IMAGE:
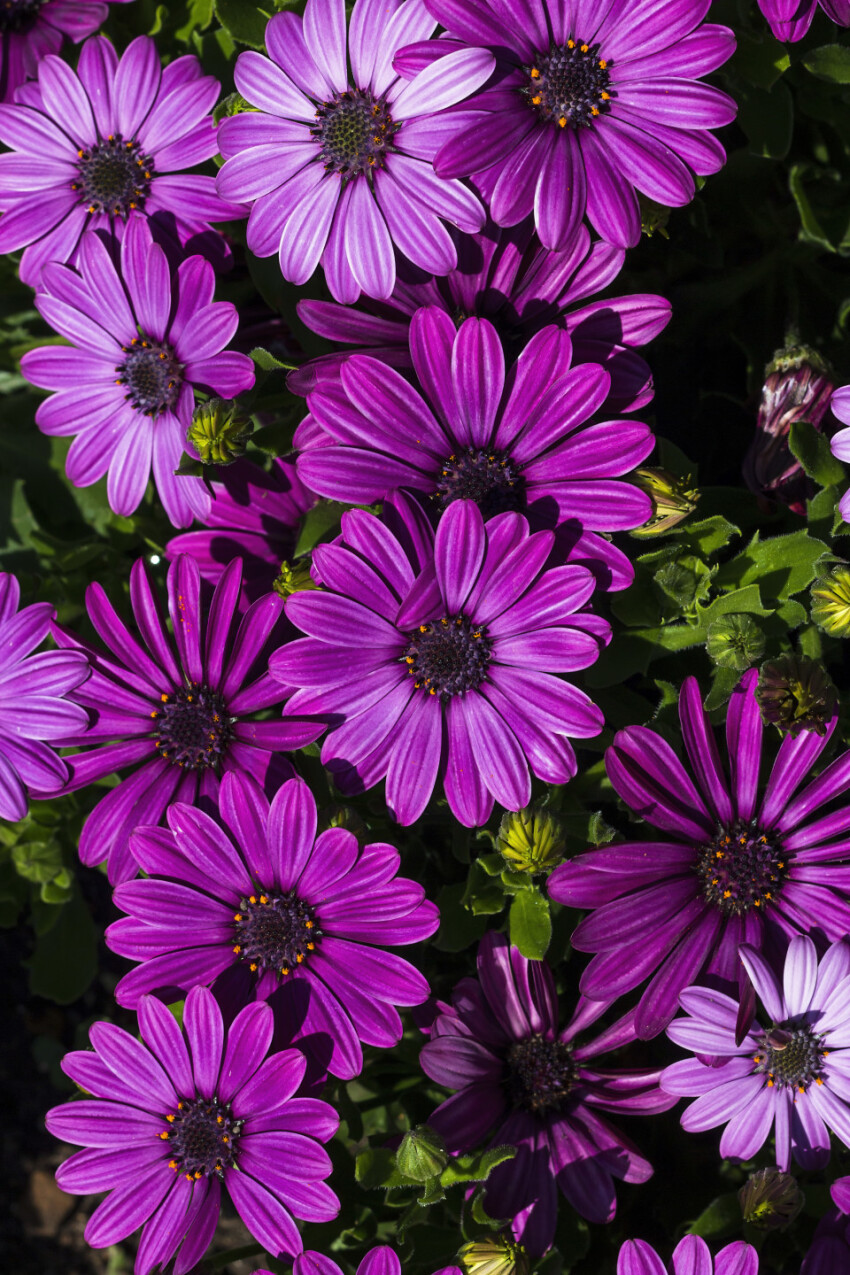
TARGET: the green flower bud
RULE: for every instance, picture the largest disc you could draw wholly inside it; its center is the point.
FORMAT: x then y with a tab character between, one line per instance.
831	601
219	431
672	498
532	840
653	217
770	1199
422	1154
735	641
294	578
796	693
494	1255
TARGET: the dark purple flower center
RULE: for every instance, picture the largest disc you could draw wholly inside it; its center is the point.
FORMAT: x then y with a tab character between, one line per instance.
275	932
18	15
541	1074
201	1137
791	1057
151	374
193	728
570	84
113	176
491	479
448	657
742	868
354	132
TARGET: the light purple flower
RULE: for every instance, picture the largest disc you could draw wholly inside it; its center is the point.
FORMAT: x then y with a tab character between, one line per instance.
34	712
30	29
730	865
140	341
790	19
338	168
830	1250
378	1261
840	441
87	148
523	1081
691	1256
168	1120
432	657
790	1076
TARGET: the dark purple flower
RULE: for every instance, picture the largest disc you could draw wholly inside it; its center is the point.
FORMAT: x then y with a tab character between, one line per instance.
180	709
337	168
691	1256
34	712
790	1078
730	866
519	440
432	657
507	277
168	1120
141	340
251	514
790	19
282	906
597	100
522	1081
30	29
88	148
378	1261
830	1250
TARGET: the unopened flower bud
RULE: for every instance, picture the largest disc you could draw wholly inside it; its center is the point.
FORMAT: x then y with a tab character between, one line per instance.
653	217
795	693
831	601
494	1255
672	498
770	1199
294	577
531	840
219	431
422	1154
735	641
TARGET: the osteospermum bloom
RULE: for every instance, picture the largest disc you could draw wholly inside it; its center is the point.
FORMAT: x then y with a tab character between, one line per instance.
378	1261
790	1074
790	19
521	1080
89	148
526	438
140	341
338	168
169	1120
30	29
691	1256
34	710
830	1250
731	864
840	441
281	905
590	103
433	657
507	277
181	708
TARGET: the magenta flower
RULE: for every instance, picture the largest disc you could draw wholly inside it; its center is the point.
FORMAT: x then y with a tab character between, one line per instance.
840	441
691	1256
830	1250
521	1080
338	168
729	866
30	29
140	341
169	1120
88	148
791	1077
790	19
378	1261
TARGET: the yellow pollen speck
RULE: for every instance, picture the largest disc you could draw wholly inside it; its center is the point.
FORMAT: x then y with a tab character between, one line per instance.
219	1119
756	903
164	1135
253	898
603	62
284	969
237	916
171	1119
605	96
423	628
253	967
584	48
311	947
594	110
727	894
536	100
225	1138
172	1164
770	1082
264	898
535	74
198	1174
571	44
308	925
237	950
189	1177
299	957
563	121
818	1080
801	1089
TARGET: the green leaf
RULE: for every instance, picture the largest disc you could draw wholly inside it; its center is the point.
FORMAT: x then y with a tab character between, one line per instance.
746	601
243	20
458	927
813	452
268	362
483	896
322	519
709	534
720	1219
781	566
374	1168
829	62
475	1167
65	958
810	228
724	682
767	118
530	923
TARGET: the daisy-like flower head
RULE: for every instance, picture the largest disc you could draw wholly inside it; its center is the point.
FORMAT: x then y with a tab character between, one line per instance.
790	19
524	1081
179	708
840	441
518	439
432	657
281	906
830	1250
691	1256
378	1261
169	1120
598	98
30	29
790	1074
507	277
90	147
732	864
141	340
336	163
34	710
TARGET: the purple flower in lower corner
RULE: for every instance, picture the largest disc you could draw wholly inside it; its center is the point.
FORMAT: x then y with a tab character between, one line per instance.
840	441
731	864
30	29
790	19
34	708
691	1256
181	709
830	1249
169	1120
790	1074
378	1261
523	1081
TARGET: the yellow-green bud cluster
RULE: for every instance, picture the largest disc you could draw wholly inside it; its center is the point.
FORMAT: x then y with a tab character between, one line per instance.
219	431
494	1255
531	840
672	498
294	578
770	1199
831	601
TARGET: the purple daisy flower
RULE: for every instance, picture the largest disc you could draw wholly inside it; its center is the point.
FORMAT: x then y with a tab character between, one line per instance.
729	867
169	1120
519	440
691	1256
830	1250
141	341
180	709
34	712
30	29
433	657
790	19
840	442
522	1081
790	1078
378	1261
600	100
507	277
280	905
251	514
337	168
87	148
